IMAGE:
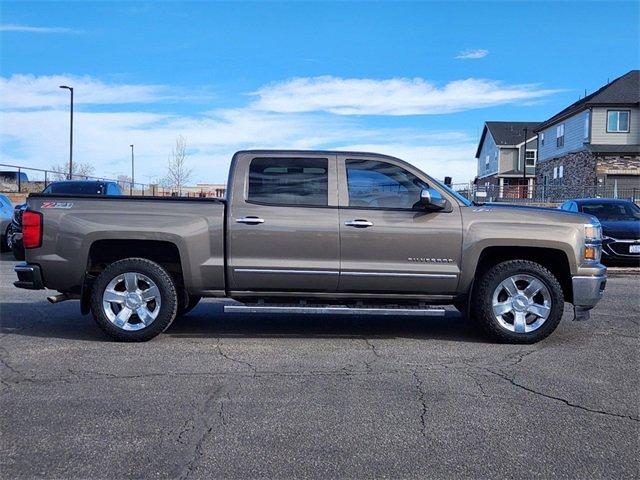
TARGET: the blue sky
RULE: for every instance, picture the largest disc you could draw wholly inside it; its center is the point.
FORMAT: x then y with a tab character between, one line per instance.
412	79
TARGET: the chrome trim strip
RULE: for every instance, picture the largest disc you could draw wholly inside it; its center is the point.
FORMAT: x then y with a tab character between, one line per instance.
622	240
351	274
394	274
302	272
334	310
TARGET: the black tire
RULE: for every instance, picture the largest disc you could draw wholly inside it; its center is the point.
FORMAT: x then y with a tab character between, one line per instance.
482	308
166	288
187	303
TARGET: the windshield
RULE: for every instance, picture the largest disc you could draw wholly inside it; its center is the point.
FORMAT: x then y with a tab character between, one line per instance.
459	197
612	211
82	188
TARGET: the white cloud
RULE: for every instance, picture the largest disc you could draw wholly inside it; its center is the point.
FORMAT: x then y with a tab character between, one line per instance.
396	96
472	54
40	139
28	91
12	27
34	124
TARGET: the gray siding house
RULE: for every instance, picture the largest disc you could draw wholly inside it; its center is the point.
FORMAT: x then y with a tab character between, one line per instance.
501	154
594	144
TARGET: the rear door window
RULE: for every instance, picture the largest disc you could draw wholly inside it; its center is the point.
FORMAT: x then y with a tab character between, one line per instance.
289	181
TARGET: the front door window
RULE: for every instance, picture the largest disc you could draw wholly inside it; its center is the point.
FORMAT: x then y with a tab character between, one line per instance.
374	184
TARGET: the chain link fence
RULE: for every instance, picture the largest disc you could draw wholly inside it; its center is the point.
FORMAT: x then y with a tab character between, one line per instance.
25	180
544	194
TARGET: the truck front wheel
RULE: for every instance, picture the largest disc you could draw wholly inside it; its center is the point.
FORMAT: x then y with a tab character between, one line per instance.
134	299
518	301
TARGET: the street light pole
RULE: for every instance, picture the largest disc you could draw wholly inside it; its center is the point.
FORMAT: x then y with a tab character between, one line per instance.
525	190
70	176
132	171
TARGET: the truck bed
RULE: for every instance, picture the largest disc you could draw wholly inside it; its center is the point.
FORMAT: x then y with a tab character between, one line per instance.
80	227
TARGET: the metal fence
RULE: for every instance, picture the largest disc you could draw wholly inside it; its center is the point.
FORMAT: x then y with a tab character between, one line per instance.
18	179
544	194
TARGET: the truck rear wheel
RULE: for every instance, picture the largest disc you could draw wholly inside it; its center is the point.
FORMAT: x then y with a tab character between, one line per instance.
518	301
134	299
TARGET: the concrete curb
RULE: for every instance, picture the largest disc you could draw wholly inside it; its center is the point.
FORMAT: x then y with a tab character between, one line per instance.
618	271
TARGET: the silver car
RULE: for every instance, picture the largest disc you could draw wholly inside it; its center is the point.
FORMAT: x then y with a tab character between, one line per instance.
6	214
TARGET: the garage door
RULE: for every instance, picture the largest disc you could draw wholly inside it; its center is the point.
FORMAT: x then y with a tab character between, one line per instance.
623	185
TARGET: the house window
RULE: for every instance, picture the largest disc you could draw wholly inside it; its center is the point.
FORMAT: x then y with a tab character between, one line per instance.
561	171
560	135
586	126
542	139
618	121
530	157
555	172
486	161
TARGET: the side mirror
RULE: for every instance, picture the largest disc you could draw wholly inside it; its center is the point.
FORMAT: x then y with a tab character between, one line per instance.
430	199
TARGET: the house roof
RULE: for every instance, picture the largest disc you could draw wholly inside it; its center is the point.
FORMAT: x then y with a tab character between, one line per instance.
506	133
624	90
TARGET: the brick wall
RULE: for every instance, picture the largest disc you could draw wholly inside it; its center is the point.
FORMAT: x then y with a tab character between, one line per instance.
618	165
16	198
579	170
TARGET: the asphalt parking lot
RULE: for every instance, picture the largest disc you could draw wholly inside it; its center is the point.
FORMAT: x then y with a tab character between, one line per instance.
233	396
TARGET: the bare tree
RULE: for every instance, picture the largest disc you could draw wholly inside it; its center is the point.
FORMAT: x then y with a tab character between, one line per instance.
80	170
124	181
178	173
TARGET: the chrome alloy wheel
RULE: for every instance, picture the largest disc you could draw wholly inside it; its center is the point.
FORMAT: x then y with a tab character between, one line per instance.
521	303
131	301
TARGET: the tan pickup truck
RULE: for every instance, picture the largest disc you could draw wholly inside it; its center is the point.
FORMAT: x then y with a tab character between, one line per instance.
314	232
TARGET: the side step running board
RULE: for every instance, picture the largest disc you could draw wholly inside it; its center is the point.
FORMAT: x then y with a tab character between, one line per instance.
335	310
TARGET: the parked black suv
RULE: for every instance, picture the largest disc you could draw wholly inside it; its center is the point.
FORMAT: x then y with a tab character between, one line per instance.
620	221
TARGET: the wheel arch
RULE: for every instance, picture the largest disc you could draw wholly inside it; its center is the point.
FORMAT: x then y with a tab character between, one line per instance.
106	251
555	260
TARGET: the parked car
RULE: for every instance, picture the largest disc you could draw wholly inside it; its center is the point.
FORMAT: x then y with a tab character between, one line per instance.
6	214
10	176
314	232
70	187
620	220
11	180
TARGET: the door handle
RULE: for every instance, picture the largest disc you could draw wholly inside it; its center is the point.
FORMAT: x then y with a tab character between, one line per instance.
250	220
358	223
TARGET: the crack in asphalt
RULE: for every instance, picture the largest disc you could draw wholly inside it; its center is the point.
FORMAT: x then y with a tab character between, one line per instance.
423	403
232	359
372	348
504	376
202	424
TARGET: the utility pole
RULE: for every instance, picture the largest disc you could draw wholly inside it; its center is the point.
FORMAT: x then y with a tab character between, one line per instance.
132	171
70	175
524	165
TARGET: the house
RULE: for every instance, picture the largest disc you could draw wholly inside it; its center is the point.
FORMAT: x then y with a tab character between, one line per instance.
501	153
593	146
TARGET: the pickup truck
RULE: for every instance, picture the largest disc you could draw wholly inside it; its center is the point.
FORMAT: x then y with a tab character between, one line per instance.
314	232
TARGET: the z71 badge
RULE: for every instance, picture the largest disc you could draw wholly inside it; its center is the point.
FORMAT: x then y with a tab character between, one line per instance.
57	204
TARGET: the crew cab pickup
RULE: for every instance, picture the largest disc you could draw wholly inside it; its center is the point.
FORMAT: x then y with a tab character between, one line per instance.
314	232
